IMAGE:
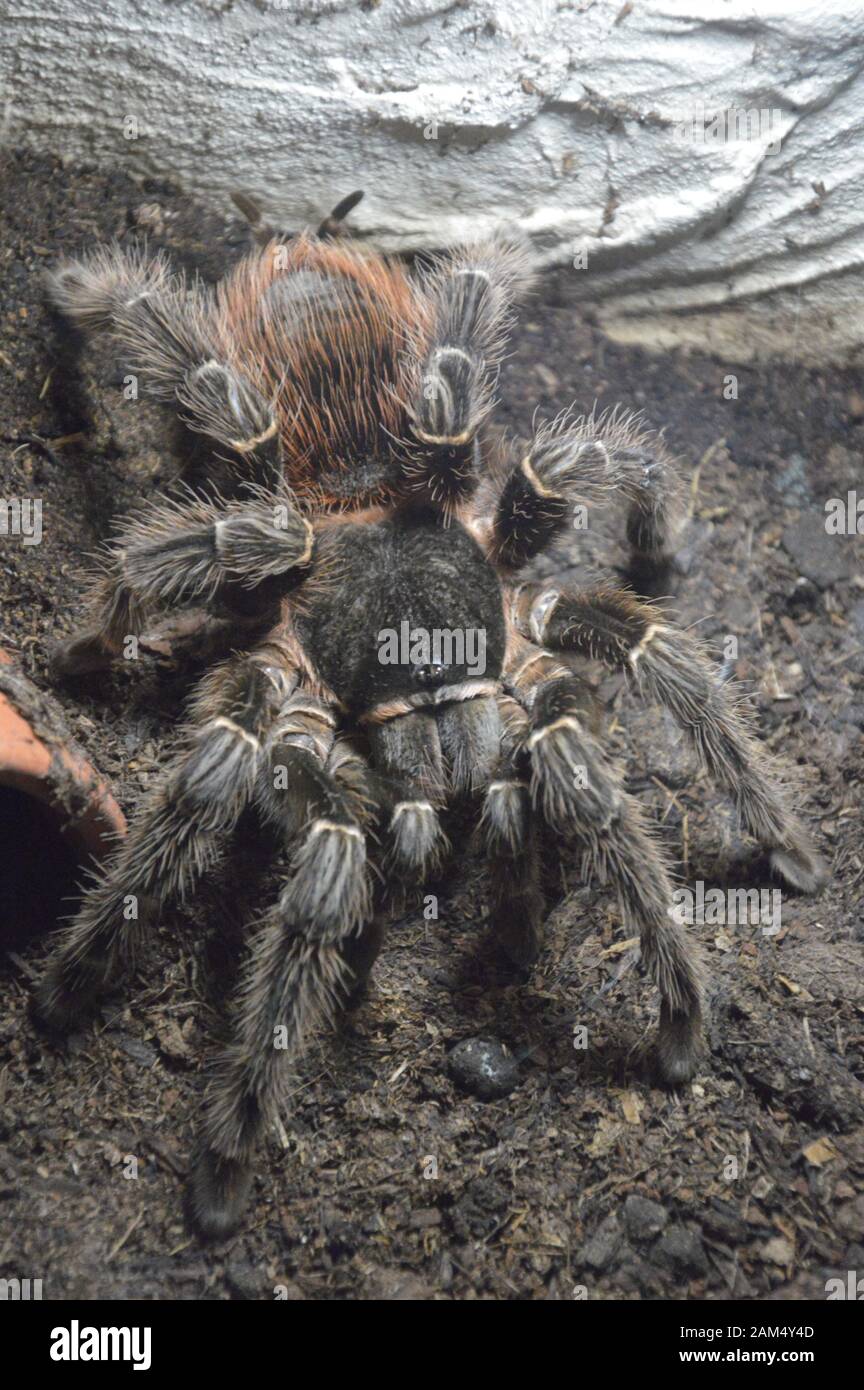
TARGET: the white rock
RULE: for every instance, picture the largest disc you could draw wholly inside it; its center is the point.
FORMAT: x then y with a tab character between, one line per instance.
560	118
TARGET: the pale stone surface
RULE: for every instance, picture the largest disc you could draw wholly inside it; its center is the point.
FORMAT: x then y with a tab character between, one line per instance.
561	117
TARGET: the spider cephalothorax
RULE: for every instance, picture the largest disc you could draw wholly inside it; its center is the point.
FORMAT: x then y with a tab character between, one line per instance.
389	654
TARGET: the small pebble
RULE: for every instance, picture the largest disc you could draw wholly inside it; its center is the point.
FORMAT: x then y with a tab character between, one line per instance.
483	1067
822	558
243	1281
601	1249
643	1218
722	1221
792	483
803	595
681	1252
140	1051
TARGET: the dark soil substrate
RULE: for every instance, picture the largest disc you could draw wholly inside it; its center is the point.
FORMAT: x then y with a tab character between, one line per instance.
747	1184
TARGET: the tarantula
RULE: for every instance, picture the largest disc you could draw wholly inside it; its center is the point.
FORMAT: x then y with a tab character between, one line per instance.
353	401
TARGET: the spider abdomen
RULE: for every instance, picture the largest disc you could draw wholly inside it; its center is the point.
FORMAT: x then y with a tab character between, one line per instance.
320	328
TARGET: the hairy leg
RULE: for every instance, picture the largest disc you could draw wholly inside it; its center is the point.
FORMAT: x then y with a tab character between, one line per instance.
306	957
168	331
672	667
456	344
238	556
589	462
511	840
407	757
581	797
174	840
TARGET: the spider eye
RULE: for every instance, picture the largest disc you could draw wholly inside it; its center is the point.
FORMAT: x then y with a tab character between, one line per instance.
430	674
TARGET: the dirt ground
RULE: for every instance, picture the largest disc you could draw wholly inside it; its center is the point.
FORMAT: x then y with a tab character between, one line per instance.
388	1179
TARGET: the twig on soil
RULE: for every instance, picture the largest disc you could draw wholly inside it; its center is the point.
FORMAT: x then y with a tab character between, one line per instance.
126	1234
808	1038
24	966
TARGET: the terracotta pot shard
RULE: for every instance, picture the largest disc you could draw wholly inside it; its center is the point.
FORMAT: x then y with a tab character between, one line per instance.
39	758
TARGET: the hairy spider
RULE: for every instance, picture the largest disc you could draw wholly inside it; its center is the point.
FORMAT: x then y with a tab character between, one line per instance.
373	507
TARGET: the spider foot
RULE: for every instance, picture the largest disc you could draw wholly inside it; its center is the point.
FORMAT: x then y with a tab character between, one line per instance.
679	1045
518	931
652	576
80	656
217	1194
58	1008
800	866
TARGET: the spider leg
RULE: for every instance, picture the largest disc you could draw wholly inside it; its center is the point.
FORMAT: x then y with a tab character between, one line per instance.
511	840
305	958
175	839
584	463
240	556
672	667
463	311
652	487
424	759
168	331
406	754
580	795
